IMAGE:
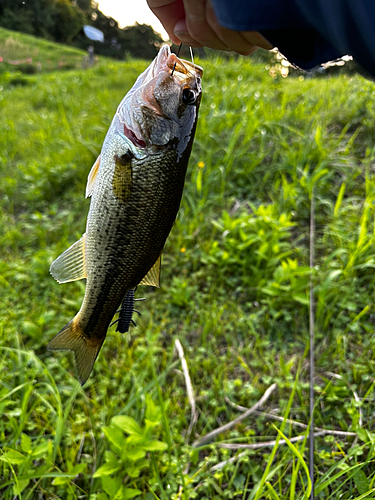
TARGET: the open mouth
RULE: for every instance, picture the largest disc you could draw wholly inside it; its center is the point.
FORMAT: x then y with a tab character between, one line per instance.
166	59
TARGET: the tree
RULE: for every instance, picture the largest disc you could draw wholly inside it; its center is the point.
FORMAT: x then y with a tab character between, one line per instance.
63	21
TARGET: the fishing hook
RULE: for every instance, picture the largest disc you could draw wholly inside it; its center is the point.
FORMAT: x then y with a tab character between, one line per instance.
178	53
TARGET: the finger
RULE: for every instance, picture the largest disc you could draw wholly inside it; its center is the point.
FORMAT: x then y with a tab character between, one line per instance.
257	39
169	12
198	27
181	31
232	39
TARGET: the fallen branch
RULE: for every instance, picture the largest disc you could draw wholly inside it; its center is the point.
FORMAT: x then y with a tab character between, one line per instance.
292	422
253	446
229	425
220	465
189	387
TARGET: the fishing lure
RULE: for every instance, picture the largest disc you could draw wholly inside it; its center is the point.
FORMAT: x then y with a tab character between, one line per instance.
126	312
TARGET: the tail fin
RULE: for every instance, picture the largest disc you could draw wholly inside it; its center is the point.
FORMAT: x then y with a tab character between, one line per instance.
73	338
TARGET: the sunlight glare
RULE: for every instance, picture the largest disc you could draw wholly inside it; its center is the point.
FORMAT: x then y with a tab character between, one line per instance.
128	12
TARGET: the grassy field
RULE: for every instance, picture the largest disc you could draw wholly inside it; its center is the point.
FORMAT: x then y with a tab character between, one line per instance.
235	294
27	54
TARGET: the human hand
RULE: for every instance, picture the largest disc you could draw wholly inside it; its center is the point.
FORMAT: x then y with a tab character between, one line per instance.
193	22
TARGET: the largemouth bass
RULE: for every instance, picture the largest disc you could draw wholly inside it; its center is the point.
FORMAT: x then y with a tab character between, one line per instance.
136	187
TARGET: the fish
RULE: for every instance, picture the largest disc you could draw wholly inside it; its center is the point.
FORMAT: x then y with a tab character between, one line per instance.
135	186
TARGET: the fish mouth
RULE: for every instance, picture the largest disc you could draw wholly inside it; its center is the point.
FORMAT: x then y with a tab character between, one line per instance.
184	72
166	61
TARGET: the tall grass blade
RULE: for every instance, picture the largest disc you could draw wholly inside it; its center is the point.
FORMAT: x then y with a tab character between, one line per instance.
257	492
339	199
272	491
301	460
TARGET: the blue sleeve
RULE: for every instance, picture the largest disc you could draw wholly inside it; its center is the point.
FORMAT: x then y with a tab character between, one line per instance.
308	32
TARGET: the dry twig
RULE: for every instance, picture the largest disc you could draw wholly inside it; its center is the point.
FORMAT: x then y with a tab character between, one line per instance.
292	422
312	342
253	446
229	425
189	387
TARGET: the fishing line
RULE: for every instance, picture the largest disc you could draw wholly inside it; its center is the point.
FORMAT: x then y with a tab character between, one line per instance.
191	54
178	53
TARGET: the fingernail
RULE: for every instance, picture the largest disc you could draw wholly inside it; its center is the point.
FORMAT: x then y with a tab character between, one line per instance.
180	30
184	37
181	35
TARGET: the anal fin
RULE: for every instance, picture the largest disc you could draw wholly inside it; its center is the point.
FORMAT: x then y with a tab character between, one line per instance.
152	278
70	265
72	338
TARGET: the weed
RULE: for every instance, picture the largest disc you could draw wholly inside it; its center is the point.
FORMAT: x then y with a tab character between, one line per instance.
235	291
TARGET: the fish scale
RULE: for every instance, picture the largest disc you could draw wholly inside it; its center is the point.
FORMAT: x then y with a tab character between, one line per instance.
136	186
153	211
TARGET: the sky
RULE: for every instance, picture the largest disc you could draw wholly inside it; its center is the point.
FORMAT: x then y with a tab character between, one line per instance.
127	12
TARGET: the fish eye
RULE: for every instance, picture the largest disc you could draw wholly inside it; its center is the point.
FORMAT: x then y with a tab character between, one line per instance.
188	96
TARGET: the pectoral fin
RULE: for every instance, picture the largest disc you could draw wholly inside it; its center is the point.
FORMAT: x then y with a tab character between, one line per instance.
152	278
92	177
70	266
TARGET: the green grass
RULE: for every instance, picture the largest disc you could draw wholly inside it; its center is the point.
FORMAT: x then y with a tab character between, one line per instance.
28	54
235	291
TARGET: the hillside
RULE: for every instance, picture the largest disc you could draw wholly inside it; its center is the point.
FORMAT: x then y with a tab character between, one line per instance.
28	54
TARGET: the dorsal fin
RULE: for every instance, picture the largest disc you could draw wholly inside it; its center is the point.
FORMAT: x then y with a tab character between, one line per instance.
92	177
70	266
152	278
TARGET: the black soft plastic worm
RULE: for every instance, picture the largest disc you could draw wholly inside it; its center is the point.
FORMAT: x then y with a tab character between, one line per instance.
126	312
